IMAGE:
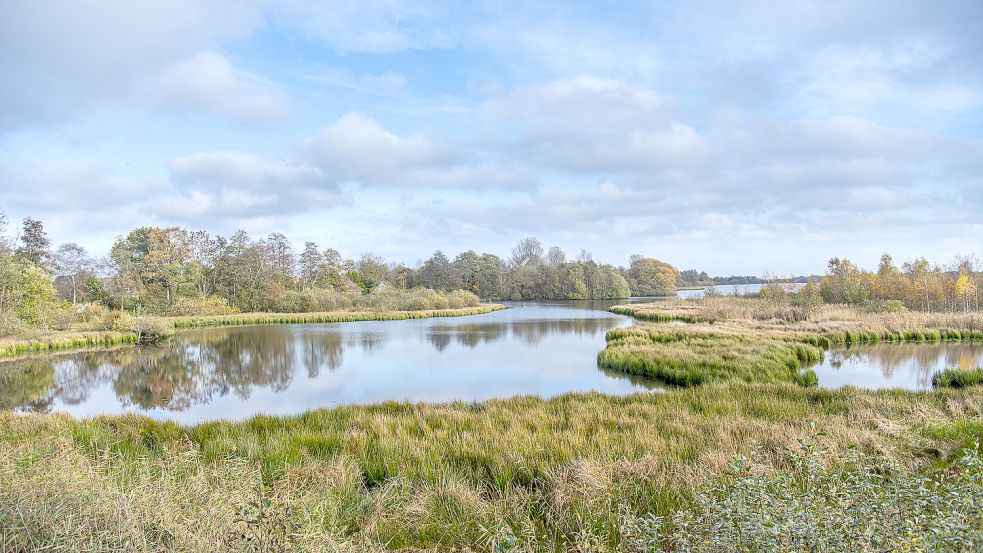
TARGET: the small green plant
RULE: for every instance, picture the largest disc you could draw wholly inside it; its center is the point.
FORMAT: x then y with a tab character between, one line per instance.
267	525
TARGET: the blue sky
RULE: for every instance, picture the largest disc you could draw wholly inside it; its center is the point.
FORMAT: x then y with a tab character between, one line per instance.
735	137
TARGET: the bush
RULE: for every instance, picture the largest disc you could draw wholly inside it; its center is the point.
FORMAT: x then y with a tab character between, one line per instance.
858	504
958	378
151	329
121	322
11	325
330	300
194	305
293	301
462	298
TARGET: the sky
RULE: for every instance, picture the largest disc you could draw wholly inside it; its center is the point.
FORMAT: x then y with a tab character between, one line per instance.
732	137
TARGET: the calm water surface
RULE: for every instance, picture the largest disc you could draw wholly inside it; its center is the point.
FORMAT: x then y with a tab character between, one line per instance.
531	348
906	365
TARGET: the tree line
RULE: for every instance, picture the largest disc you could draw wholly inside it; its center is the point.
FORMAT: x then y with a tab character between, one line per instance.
917	284
174	270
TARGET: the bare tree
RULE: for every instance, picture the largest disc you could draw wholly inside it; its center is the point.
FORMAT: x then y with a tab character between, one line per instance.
73	262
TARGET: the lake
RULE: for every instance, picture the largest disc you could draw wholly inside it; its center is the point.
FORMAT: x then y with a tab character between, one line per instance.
531	348
542	348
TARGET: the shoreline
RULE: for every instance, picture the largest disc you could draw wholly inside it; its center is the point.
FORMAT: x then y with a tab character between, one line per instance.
11	348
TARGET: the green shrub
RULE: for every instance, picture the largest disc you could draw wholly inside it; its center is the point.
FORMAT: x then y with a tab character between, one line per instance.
958	378
858	504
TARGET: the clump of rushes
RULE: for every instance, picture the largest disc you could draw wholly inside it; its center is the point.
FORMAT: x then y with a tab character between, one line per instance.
958	378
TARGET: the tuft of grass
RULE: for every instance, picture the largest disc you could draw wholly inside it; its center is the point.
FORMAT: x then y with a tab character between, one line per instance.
958	378
520	474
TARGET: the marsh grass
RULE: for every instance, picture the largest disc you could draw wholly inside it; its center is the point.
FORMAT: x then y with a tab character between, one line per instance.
754	340
10	347
506	475
688	358
240	319
958	378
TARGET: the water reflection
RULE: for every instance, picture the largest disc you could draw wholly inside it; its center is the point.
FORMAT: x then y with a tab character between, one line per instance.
543	349
907	365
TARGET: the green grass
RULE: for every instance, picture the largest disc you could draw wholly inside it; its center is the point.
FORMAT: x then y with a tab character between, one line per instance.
518	474
753	340
70	340
958	378
239	319
686	358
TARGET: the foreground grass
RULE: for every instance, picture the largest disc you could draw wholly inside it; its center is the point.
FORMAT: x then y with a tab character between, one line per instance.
161	327
516	474
752	340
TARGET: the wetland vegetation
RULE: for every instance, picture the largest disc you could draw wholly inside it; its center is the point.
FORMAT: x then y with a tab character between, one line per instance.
742	423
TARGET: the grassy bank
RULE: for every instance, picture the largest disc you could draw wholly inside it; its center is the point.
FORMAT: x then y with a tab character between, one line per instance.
503	475
239	319
155	328
15	345
754	340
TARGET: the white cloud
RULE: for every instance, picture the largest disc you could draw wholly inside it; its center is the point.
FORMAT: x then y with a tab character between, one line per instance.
61	58
207	82
229	184
358	148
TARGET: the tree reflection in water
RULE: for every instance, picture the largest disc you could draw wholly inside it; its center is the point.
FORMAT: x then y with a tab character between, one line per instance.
894	361
201	366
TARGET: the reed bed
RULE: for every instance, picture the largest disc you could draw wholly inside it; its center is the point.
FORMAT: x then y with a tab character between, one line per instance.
10	347
958	378
522	474
240	319
753	340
